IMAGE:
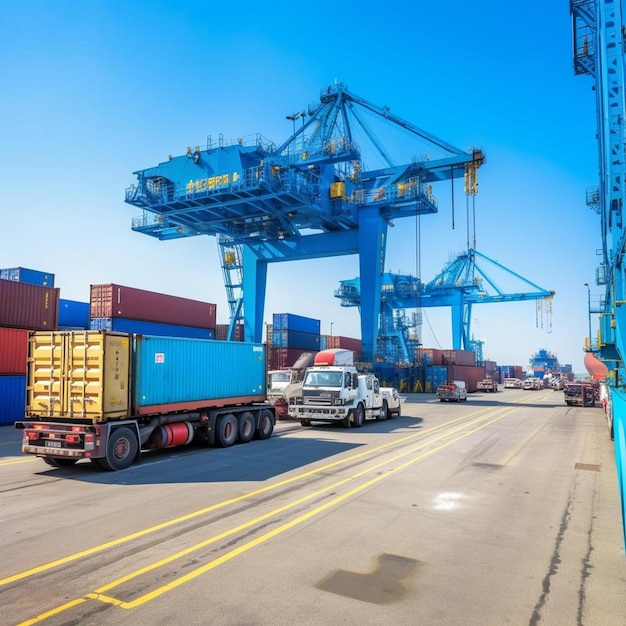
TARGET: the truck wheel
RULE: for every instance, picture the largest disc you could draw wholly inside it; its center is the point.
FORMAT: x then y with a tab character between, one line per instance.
305	422
246	427
358	416
266	424
227	428
122	449
384	414
345	422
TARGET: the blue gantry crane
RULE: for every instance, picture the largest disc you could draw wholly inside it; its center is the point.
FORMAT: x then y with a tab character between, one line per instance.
471	278
332	188
599	30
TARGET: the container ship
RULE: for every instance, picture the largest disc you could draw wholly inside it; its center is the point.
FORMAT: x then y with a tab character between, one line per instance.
544	362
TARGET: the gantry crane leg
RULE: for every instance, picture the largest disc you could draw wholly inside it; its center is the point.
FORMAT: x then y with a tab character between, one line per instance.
254	286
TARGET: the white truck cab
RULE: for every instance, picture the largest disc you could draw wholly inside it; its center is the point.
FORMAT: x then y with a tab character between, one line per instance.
334	391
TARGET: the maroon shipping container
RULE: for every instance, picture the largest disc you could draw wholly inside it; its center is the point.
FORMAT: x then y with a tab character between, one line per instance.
458	357
471	374
221	330
118	301
23	305
280	358
349	343
13	351
429	356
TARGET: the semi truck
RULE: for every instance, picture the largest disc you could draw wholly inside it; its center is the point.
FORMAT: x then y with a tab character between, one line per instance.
109	396
333	391
285	385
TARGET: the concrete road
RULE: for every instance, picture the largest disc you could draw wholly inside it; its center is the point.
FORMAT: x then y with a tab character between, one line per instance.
501	510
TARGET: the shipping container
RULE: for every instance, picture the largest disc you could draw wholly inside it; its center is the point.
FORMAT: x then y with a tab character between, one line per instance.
13	351
221	332
123	325
295	339
167	374
289	321
429	356
434	375
23	305
12	398
24	275
112	300
348	343
471	374
73	314
280	358
458	357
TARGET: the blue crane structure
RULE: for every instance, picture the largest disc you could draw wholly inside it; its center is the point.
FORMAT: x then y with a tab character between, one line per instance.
315	195
599	31
471	278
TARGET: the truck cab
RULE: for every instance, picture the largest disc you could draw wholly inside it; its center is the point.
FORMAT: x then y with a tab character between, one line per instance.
334	391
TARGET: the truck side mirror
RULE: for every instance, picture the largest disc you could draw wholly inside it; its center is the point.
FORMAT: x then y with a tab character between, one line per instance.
355	381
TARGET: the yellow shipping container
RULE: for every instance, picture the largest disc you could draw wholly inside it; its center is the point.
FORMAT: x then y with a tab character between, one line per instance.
79	375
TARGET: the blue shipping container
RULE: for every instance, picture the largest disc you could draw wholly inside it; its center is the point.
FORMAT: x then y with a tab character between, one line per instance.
24	275
434	375
12	398
73	314
289	321
295	339
175	370
123	325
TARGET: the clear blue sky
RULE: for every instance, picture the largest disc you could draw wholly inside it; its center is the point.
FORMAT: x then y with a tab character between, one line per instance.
94	90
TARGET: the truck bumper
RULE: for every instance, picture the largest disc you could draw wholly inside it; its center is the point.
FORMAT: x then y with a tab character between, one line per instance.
321	414
51	439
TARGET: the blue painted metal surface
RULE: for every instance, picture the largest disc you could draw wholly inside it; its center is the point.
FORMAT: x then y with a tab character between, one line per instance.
166	370
73	314
310	197
12	398
295	339
289	321
25	275
469	279
141	327
598	47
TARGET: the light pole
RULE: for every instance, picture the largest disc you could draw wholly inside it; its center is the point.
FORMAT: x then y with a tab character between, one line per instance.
293	118
589	312
331	328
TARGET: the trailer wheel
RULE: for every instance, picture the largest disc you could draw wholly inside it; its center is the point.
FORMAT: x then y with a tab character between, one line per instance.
59	462
384	414
305	422
359	416
227	427
122	448
246	427
266	424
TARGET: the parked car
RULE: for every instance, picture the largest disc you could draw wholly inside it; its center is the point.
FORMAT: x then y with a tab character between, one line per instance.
512	383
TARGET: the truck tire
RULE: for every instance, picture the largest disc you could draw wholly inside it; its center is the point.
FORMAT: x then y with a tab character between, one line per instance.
246	427
305	422
227	430
266	424
122	448
358	416
381	417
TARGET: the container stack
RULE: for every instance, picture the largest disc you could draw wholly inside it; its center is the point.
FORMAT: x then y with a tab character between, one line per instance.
510	371
289	336
73	315
28	301
126	309
337	341
221	332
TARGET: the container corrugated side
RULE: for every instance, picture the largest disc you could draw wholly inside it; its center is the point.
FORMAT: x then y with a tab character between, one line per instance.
173	373
289	321
73	313
13	351
25	275
112	300
471	374
295	339
12	398
23	305
280	358
142	327
79	375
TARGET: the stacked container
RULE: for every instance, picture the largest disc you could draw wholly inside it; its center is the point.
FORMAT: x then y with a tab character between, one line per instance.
289	336
337	341
73	315
23	305
126	309
221	332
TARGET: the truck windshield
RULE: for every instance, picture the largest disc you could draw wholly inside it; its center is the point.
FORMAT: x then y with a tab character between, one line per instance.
323	379
280	377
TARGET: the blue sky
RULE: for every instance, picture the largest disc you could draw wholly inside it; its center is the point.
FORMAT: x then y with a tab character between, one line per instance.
95	90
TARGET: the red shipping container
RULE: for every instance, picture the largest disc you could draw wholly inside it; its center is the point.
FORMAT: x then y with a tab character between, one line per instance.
13	351
430	356
471	374
23	305
283	357
221	330
458	357
118	301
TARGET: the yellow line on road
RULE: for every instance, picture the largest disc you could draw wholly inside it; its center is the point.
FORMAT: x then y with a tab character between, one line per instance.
189	516
99	593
